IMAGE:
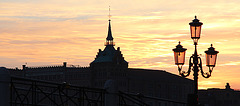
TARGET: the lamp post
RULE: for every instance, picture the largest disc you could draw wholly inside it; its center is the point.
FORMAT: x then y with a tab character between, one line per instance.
195	62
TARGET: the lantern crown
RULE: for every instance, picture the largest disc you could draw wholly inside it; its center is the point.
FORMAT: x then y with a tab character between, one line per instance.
211	50
195	22
179	48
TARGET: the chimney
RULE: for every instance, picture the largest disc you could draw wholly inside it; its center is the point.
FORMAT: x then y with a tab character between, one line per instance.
23	67
64	64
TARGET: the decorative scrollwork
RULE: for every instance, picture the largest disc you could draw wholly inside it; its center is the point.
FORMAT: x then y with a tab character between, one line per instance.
184	73
207	74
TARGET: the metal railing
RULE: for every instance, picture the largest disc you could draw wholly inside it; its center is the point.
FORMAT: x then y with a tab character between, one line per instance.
29	92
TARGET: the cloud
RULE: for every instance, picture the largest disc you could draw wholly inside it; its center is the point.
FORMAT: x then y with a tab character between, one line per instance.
43	32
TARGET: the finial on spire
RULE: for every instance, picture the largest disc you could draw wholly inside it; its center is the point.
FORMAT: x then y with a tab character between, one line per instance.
109	15
195	17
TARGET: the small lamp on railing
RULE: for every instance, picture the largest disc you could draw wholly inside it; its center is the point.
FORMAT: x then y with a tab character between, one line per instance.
195	27
211	56
179	54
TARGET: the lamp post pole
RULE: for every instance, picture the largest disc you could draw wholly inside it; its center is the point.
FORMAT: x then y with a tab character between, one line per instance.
195	62
195	70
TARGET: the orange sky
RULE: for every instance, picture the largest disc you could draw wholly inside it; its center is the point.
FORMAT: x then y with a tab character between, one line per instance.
49	32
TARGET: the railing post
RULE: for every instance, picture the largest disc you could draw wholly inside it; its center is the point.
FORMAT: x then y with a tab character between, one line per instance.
4	87
111	93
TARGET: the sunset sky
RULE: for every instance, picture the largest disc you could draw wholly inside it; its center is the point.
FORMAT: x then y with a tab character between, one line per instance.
49	32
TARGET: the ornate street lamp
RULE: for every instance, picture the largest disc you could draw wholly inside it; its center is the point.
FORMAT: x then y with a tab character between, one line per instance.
195	62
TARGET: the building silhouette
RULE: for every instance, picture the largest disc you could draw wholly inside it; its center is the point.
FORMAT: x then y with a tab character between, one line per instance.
110	64
220	97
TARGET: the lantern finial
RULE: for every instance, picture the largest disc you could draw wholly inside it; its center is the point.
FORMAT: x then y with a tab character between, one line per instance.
195	17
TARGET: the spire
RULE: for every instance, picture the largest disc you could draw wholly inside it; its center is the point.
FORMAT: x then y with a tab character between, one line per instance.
109	37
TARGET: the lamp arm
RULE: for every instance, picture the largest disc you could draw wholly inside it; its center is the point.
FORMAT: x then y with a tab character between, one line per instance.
207	74
184	73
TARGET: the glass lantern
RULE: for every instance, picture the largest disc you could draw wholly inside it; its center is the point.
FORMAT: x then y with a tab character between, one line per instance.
211	56
195	28
179	54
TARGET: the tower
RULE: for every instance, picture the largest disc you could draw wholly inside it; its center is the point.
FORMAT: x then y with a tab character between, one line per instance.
109	57
109	63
